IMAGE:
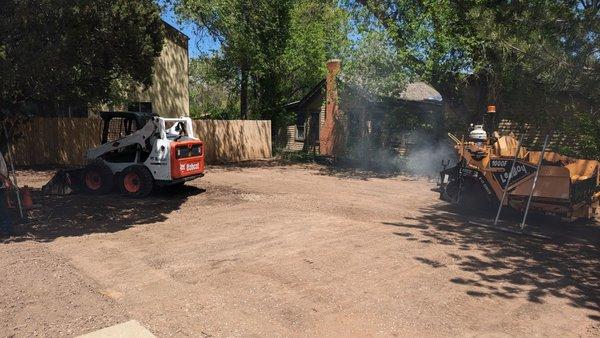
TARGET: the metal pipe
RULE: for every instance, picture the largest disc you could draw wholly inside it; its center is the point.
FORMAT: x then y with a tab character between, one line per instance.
12	166
454	138
460	178
510	175
537	173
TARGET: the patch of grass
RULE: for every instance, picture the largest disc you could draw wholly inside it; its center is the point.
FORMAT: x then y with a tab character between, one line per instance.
302	157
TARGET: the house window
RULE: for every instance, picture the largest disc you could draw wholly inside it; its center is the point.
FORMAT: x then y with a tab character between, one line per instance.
300	132
143	107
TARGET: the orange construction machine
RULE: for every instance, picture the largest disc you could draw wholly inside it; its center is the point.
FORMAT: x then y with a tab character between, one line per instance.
498	172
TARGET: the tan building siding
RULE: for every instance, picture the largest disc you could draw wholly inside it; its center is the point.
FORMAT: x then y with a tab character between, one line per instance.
292	144
169	93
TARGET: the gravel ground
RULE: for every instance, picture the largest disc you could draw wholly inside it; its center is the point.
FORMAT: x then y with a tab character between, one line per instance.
291	251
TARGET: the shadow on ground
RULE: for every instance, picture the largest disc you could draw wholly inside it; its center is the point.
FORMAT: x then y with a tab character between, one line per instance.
510	266
80	214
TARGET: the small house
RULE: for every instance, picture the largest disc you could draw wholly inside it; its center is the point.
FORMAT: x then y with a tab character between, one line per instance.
336	118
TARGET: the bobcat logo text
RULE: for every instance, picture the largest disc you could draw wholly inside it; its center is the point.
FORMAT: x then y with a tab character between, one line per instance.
189	167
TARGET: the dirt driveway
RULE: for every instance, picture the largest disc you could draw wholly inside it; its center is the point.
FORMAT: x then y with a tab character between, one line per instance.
291	251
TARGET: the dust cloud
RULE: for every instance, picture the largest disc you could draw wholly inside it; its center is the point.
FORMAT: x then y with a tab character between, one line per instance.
426	155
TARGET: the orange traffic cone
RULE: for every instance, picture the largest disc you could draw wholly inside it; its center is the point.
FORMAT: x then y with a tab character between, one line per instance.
26	197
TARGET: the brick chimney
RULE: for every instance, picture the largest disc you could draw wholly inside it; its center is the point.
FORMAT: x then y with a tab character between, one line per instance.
327	130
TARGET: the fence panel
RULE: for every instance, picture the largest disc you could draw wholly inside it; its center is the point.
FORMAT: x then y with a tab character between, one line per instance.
64	141
56	141
235	140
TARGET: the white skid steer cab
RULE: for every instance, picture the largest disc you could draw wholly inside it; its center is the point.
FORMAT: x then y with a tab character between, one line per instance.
139	151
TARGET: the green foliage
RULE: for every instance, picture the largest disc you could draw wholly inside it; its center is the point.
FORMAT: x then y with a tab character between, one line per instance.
62	52
280	47
373	66
583	132
318	32
505	45
431	38
531	58
297	157
210	96
252	36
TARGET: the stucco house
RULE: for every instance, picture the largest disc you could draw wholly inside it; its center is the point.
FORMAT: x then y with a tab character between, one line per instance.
168	96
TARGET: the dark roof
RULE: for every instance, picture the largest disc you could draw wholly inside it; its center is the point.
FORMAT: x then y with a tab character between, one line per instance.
413	92
176	35
316	90
420	92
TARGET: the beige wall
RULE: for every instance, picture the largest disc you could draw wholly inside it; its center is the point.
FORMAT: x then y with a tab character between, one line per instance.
64	141
169	93
292	143
290	137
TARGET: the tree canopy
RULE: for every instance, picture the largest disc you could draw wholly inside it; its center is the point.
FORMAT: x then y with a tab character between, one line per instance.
252	36
63	52
372	64
271	51
514	51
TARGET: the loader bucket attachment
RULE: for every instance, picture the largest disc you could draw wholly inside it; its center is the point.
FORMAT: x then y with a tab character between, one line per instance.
64	182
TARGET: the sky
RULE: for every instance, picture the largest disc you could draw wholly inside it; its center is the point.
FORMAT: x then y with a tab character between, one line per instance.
199	43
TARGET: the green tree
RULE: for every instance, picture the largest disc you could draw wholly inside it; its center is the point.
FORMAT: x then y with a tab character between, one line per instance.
211	95
518	53
62	52
271	52
373	65
252	35
319	31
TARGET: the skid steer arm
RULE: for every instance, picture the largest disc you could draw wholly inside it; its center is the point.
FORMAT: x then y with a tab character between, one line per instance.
139	137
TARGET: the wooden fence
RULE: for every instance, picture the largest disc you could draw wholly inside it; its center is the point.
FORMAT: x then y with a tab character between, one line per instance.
235	140
64	141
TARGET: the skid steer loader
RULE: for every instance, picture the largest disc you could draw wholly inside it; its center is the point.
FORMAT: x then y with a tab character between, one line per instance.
497	170
138	152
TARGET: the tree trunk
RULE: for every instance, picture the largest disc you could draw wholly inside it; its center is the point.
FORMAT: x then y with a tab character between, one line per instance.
244	94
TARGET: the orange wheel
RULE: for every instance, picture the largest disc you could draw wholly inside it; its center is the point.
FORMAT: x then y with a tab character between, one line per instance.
97	179
136	181
132	182
93	180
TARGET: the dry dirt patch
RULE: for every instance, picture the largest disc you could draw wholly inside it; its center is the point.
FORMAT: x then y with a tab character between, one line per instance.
294	250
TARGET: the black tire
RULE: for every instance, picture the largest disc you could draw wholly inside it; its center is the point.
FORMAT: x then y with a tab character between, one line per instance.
136	181
97	179
474	197
469	194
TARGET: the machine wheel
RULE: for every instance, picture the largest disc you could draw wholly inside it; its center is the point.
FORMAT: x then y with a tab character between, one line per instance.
472	195
136	181
97	179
